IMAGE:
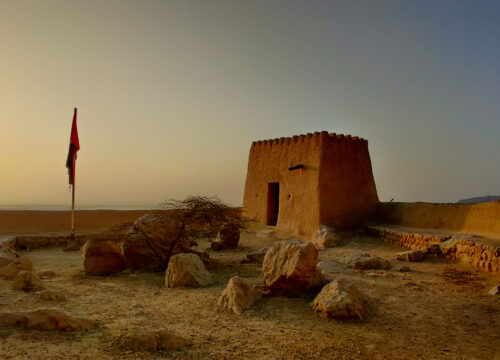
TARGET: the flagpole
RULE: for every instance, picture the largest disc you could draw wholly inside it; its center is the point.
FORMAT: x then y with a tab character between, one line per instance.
73	211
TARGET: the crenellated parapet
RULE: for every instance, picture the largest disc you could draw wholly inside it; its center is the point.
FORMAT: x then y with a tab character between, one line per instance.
313	138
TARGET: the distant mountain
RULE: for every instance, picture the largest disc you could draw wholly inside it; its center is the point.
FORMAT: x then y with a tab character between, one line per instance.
479	199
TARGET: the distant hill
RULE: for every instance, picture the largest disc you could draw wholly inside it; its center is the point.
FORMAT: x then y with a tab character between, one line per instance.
479	199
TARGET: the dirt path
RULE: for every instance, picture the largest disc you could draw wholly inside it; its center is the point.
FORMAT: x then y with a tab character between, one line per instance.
439	310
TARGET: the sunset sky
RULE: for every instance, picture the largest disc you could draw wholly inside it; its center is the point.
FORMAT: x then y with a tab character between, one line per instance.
171	94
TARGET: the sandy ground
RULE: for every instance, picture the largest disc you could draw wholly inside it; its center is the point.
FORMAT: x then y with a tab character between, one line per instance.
439	310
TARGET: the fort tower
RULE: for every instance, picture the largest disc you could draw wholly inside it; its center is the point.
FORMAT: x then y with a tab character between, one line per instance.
302	182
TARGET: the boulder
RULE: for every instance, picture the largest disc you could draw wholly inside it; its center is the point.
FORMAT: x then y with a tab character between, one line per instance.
448	248
289	268
27	281
410	256
186	269
366	262
495	290
150	340
238	295
152	240
49	319
255	256
102	257
227	238
330	269
11	270
53	295
326	237
338	299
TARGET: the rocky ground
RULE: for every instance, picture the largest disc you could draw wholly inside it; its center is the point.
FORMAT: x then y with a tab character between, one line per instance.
438	310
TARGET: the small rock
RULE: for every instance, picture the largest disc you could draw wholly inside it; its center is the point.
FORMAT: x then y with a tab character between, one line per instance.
186	269
367	262
410	256
326	237
102	258
72	245
46	319
47	274
403	268
495	290
238	295
11	270
227	238
53	295
7	255
255	256
289	268
27	281
210	263
338	299
151	340
330	269
433	249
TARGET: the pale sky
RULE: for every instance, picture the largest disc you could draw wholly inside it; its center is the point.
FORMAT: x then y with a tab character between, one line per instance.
171	94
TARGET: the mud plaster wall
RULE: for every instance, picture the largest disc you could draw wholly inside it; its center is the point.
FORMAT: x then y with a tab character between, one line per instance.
483	219
298	201
33	222
347	189
335	187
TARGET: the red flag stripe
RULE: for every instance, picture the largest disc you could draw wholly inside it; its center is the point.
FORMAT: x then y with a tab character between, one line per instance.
74	146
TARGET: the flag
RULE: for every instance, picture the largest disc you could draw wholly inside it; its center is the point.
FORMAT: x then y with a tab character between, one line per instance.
74	146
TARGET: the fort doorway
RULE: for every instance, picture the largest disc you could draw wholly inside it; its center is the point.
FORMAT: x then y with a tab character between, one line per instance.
273	203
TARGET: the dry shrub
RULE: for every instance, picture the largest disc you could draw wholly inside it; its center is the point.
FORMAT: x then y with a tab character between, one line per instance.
194	217
202	216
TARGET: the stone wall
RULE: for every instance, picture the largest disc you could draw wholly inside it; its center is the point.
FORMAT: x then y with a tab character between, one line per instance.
37	222
471	250
29	242
408	239
481	219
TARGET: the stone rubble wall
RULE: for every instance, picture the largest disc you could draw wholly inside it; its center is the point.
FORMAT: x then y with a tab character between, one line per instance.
468	249
470	252
411	240
25	242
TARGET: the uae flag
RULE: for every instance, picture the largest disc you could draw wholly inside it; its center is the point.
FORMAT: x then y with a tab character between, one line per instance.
74	146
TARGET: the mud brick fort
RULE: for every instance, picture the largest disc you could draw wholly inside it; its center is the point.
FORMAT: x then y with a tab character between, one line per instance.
301	182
